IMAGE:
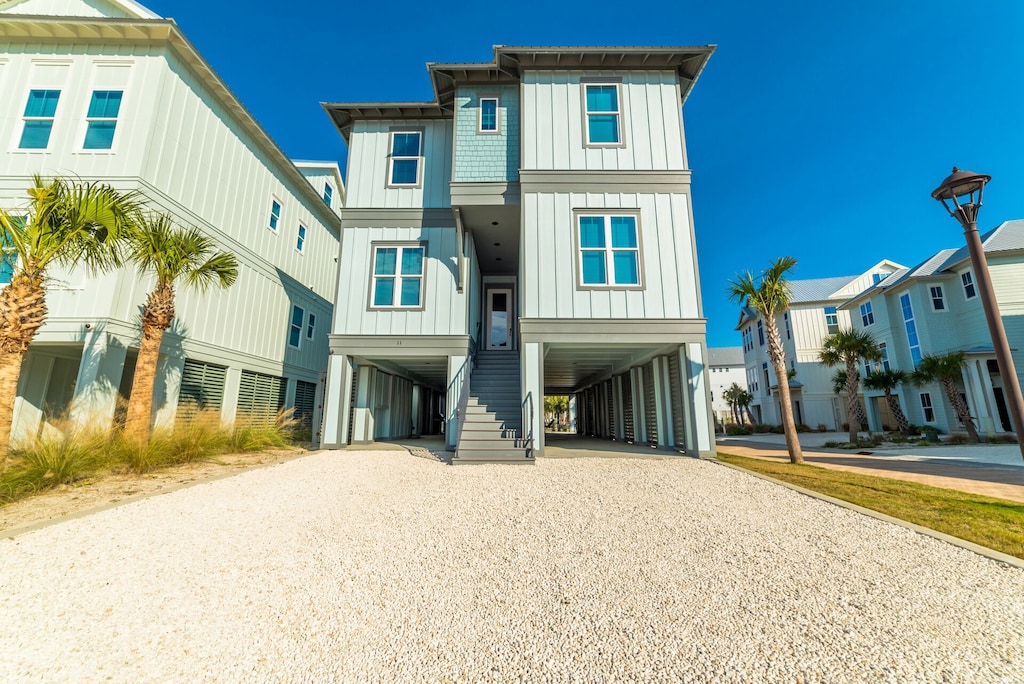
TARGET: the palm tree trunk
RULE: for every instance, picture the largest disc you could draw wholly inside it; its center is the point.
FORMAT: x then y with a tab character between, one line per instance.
852	417
10	371
961	410
894	408
140	403
778	357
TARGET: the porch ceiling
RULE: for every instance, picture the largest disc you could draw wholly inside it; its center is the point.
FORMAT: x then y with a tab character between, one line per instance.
501	258
570	367
428	370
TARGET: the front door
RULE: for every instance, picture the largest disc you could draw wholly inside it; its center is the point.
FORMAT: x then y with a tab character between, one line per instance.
499	319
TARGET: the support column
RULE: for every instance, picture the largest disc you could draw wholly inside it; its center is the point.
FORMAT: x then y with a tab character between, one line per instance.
990	393
532	383
229	407
417	429
977	398
700	397
33	385
337	400
99	376
458	375
661	405
167	389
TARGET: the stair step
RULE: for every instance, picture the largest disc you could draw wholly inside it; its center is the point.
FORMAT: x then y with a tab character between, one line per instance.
502	456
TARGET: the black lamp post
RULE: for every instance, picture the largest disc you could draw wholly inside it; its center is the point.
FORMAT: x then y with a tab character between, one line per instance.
961	194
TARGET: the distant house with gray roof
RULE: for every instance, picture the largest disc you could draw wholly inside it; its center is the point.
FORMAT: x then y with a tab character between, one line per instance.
725	365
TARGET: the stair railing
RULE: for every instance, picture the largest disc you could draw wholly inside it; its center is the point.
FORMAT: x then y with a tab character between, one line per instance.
528	422
463	376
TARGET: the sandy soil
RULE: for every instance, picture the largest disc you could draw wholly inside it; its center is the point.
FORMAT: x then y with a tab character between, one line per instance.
105	490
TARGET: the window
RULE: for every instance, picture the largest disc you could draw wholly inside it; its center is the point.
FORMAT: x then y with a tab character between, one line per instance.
908	321
748	339
398	276
602	114
102	119
8	259
39	113
938	301
609	250
310	326
328	194
295	329
831	319
404	168
968	281
760	334
488	114
884	351
300	240
867	317
926	406
785	318
275	215
767	381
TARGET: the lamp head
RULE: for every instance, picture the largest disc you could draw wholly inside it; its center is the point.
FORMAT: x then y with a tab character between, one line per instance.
961	194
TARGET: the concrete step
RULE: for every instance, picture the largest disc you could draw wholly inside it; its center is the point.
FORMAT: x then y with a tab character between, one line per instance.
495	456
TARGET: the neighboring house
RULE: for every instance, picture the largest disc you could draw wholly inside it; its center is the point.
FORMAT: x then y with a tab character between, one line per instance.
726	367
106	90
935	308
527	232
815	312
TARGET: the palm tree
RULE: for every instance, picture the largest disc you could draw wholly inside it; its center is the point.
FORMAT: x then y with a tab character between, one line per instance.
839	387
887	381
946	370
172	254
769	295
744	399
64	224
848	347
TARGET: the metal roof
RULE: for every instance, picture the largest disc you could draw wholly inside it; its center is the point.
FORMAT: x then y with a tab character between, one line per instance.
818	289
725	356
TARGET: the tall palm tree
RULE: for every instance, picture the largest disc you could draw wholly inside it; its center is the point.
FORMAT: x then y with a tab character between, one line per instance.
64	224
887	381
769	295
839	387
173	255
745	399
732	396
946	369
848	347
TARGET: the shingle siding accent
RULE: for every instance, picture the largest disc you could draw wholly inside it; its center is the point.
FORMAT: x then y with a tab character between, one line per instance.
486	157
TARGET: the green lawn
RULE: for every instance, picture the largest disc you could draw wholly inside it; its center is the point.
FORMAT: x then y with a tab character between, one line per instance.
995	523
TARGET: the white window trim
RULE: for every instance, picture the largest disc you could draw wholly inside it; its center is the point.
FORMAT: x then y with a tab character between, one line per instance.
480	114
942	298
924	409
392	158
328	194
397	293
974	285
19	131
912	319
609	250
300	238
280	216
291	326
310	325
870	312
620	114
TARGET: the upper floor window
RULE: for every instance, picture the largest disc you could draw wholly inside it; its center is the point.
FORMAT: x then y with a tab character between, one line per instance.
275	215
295	329
785	318
867	316
398	276
883	349
8	256
908	321
831	319
406	150
488	114
300	239
328	194
760	334
310	326
101	119
609	253
39	113
748	339
938	300
602	113
968	280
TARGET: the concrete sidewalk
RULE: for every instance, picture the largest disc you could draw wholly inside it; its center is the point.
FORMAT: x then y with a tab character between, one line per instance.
988	469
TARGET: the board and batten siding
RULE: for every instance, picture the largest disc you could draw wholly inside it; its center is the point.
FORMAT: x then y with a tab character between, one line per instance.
368	164
445	309
550	260
553	133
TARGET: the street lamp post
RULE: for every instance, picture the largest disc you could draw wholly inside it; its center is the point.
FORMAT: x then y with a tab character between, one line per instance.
961	195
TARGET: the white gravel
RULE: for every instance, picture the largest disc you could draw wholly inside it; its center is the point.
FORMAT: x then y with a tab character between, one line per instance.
379	566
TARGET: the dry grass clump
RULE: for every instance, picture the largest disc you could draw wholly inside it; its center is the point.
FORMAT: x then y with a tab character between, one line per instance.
71	452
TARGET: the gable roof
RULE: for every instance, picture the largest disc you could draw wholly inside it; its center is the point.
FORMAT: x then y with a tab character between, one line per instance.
818	289
111	9
725	356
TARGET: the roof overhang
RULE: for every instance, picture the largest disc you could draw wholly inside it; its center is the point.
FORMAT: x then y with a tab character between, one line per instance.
344	115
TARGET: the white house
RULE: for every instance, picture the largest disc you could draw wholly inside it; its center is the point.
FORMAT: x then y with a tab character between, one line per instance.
106	90
529	231
725	365
934	308
815	312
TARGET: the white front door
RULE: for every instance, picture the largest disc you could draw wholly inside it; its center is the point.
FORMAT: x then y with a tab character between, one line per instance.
499	319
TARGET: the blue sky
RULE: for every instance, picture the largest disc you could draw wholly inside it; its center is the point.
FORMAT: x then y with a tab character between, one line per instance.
817	130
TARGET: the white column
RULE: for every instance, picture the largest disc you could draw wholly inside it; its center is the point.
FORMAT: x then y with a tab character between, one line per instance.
533	392
167	389
661	403
976	398
703	425
99	377
417	429
337	397
989	391
229	407
33	385
458	375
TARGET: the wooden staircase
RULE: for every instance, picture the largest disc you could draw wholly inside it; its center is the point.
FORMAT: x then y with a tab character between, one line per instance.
492	428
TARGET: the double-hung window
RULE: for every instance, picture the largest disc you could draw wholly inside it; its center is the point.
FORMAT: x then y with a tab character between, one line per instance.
101	119
300	240
310	326
831	319
967	278
867	316
488	114
8	255
603	114
883	350
938	299
295	328
39	113
406	150
908	321
760	334
927	408
398	276
609	251
328	194
275	215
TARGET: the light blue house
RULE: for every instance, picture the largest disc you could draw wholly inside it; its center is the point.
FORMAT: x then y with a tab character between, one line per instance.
528	232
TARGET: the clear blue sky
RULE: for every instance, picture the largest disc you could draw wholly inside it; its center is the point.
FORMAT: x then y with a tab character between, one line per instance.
817	130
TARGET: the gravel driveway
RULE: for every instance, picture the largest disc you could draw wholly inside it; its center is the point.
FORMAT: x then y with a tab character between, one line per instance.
380	566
